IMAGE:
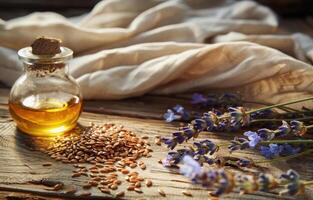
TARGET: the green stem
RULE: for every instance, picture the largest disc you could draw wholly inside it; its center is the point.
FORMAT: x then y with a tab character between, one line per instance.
279	105
286	157
287	141
307	182
310	126
284	108
279	120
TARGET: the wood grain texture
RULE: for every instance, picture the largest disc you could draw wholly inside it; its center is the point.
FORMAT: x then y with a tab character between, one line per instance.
20	162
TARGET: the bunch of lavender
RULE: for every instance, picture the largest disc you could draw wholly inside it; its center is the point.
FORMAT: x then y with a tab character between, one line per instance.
232	120
262	140
225	181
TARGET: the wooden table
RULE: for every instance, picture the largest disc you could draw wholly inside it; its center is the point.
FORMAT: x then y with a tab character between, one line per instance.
19	163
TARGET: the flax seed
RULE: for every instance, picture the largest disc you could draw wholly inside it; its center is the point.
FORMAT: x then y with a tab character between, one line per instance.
143	166
131	188
46	164
138	190
76	175
93	183
105	190
120	194
133	165
161	192
58	187
137	184
125	171
113	187
186	193
148	183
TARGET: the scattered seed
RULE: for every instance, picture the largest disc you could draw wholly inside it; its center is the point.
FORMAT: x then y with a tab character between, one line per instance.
125	171
120	194
138	190
133	165
138	185
157	141
143	166
105	190
186	193
113	186
161	192
46	164
58	187
76	175
131	187
148	183
93	183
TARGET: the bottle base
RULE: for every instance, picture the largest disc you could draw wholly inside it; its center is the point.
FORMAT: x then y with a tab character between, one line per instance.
47	131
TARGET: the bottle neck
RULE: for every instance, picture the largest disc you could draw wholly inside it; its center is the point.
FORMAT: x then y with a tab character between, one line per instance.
49	69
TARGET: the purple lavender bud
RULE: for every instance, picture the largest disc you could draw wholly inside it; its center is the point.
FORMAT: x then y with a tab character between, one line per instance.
288	150
253	137
298	128
244	162
283	129
191	168
170	143
266	134
264	182
198	99
294	185
238	144
271	151
179	137
170	116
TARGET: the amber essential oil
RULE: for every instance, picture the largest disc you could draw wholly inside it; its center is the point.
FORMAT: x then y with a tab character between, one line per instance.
46	114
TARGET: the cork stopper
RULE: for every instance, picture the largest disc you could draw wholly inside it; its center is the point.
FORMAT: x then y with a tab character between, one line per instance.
46	46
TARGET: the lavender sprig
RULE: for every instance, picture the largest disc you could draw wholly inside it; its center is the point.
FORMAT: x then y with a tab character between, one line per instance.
200	153
226	182
177	113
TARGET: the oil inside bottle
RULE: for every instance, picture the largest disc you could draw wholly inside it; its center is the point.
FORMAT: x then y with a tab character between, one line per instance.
46	114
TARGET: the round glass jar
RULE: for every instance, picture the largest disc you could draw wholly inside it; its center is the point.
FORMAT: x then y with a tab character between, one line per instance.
45	100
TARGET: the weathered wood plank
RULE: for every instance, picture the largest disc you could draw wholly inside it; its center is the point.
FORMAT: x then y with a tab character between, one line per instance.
20	163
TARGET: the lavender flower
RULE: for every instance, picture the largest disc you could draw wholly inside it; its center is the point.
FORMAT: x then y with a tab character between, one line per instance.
244	162
294	186
266	182
212	100
173	158
239	115
253	137
298	128
176	113
271	151
283	129
238	144
191	168
198	99
274	150
266	134
170	116
205	147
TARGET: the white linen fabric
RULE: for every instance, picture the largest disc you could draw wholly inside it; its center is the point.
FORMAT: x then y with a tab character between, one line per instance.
126	48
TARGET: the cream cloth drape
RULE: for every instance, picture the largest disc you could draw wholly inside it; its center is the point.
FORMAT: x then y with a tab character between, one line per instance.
126	48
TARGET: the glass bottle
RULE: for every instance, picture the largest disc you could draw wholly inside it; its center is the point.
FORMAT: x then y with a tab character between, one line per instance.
45	100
